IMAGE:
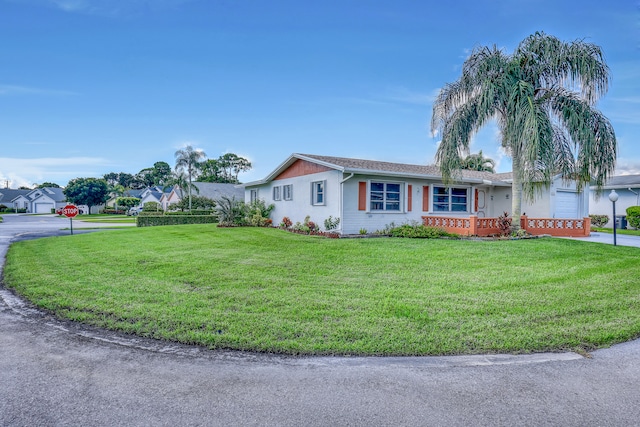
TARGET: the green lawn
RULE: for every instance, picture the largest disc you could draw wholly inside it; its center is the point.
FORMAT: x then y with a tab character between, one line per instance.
620	231
271	291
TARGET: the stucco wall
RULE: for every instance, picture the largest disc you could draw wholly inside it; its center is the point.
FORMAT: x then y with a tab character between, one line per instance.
603	206
300	205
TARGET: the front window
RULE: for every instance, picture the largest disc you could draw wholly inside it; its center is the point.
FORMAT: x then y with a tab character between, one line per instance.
276	193
287	192
450	199
317	198
253	196
385	196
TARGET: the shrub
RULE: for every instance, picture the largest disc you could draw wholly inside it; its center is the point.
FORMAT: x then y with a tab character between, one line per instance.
231	212
151	207
331	223
286	222
258	214
504	224
127	202
599	220
3	208
416	230
156	220
633	216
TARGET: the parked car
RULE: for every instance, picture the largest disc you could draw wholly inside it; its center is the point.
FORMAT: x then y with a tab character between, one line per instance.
134	211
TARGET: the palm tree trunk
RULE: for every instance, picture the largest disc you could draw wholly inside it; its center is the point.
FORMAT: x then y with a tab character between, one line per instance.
516	195
189	189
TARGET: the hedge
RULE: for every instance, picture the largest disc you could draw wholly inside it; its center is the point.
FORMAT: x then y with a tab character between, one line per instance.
633	216
150	221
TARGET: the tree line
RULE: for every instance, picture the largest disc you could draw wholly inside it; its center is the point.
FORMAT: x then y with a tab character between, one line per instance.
191	165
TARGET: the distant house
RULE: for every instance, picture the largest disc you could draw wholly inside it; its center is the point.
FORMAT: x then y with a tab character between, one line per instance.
111	201
369	195
628	189
40	200
9	197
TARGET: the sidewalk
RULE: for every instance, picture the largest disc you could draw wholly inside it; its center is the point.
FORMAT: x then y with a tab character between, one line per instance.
621	239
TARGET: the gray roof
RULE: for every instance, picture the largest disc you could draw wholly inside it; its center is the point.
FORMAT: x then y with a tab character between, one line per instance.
53	192
622	181
8	194
215	191
376	167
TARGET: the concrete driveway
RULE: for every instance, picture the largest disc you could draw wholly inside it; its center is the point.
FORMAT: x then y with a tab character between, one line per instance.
59	373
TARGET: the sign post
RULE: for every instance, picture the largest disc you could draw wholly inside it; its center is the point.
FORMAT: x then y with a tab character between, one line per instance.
70	211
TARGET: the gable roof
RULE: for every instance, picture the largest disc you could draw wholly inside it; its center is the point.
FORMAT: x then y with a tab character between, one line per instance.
376	167
53	193
8	194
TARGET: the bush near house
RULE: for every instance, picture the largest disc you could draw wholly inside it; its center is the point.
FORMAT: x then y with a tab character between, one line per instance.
599	220
151	221
633	216
418	231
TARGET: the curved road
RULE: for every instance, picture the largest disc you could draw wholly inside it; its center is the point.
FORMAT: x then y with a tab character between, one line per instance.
58	373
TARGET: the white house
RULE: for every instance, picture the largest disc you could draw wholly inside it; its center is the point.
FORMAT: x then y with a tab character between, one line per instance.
41	200
368	194
8	195
628	189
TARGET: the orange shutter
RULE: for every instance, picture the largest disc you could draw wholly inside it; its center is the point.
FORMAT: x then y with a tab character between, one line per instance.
410	197
475	201
425	198
362	196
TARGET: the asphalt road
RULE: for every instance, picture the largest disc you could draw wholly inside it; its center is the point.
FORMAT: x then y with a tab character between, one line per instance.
55	373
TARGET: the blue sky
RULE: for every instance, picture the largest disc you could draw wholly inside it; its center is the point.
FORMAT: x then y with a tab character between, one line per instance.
94	86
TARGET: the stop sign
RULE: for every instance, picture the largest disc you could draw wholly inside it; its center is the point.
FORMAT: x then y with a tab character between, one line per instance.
70	211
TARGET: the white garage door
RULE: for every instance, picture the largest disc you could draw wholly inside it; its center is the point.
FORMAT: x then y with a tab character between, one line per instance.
43	207
566	204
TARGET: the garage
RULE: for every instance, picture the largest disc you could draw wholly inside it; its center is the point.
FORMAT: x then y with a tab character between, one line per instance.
567	203
43	207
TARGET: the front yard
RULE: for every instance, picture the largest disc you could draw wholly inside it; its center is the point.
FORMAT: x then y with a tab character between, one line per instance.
268	290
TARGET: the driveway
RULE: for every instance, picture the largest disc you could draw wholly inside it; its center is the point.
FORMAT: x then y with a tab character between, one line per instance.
59	373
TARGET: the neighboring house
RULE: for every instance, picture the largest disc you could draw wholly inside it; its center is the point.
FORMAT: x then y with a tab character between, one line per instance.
151	194
628	189
111	202
210	190
8	195
370	195
41	200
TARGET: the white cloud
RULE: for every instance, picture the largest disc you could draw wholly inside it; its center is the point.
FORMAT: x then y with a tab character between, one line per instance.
628	167
26	172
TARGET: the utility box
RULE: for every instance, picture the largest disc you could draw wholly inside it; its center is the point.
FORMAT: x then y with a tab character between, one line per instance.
621	222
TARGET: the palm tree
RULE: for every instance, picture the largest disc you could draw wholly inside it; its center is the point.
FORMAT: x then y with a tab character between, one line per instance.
189	159
543	98
477	162
181	181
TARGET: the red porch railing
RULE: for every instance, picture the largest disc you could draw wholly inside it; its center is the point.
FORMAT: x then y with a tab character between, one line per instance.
474	226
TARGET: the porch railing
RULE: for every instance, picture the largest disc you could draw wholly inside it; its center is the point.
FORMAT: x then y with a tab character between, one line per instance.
475	226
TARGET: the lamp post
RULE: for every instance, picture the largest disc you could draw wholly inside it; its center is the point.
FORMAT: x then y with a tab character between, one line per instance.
613	196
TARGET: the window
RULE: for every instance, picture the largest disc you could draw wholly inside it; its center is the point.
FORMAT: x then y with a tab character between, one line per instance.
287	192
253	196
276	193
384	196
450	199
317	193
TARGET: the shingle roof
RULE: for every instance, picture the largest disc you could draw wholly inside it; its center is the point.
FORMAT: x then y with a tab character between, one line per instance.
8	194
375	166
215	191
621	181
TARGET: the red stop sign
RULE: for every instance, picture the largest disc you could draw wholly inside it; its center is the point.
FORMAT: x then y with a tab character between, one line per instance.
70	211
